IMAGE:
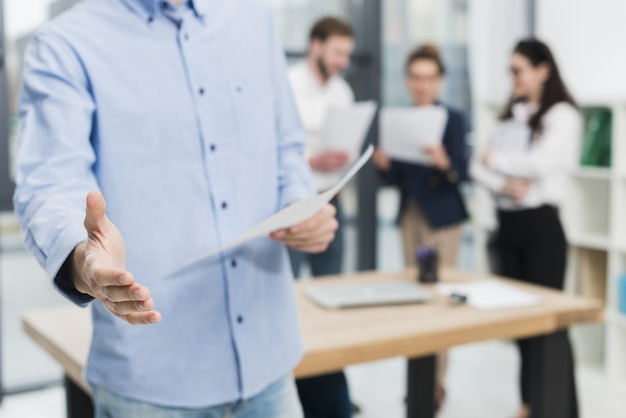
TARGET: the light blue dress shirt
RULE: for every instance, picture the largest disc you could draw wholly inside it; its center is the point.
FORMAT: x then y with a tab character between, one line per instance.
184	119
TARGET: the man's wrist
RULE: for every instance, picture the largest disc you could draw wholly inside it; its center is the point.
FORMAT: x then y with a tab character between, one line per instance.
76	261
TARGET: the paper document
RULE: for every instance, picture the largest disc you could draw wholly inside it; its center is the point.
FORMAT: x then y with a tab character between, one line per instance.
294	214
490	294
406	131
511	137
345	128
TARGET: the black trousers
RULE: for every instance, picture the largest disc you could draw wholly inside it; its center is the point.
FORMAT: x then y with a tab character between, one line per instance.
325	396
531	247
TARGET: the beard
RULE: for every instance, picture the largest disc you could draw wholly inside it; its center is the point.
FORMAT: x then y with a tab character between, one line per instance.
323	69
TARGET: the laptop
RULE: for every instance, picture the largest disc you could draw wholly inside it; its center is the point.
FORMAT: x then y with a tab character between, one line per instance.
356	295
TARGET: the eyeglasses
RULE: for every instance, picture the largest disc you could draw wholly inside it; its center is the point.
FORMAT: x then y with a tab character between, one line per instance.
424	79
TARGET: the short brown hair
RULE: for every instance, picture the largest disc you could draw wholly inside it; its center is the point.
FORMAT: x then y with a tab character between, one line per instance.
330	26
428	52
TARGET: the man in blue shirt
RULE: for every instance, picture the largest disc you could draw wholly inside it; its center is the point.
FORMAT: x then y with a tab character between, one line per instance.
179	114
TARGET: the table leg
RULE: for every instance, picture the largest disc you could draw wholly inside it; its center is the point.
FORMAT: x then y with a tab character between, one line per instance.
555	395
78	403
421	387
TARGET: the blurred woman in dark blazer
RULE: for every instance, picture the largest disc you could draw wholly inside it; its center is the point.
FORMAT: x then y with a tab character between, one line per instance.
432	210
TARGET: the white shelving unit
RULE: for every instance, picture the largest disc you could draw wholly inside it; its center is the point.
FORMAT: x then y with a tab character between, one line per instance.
594	217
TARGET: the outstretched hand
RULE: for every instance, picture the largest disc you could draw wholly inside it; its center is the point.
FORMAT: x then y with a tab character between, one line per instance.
99	268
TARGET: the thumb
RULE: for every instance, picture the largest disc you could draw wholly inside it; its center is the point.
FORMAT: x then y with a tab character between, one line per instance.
96	212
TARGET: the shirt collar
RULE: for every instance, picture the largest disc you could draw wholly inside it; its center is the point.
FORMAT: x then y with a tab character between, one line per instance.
148	8
522	111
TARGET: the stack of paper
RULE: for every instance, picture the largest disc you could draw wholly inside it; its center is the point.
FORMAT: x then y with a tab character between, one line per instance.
490	294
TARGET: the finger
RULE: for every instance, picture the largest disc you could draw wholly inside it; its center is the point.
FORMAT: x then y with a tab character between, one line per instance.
278	235
313	248
95	216
305	230
310	237
325	237
324	215
122	309
143	318
106	276
134	293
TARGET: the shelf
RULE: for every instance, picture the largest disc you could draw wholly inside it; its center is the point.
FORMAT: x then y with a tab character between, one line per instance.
587	211
616	318
596	242
598	102
593	173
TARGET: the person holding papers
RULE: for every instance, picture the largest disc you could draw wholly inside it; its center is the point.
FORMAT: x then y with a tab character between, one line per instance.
526	167
317	88
189	150
431	207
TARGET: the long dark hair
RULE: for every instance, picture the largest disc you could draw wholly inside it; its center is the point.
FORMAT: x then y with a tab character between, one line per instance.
554	89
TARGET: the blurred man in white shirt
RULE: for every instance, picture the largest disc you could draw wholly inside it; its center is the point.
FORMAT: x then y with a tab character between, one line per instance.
318	87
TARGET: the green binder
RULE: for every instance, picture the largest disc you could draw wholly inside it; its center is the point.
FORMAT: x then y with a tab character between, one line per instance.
596	150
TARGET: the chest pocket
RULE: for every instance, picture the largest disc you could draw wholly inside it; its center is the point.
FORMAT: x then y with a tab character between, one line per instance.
256	119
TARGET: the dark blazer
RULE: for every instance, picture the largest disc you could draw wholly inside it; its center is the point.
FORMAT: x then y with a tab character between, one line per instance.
436	192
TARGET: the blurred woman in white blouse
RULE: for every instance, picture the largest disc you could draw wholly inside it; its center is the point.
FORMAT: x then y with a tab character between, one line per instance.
526	167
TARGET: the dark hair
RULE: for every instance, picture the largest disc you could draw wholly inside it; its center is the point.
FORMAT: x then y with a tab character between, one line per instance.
428	52
330	26
554	89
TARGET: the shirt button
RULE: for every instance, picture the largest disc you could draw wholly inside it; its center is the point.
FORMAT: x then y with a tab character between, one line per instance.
240	319
150	19
201	91
163	5
233	263
186	37
212	148
224	205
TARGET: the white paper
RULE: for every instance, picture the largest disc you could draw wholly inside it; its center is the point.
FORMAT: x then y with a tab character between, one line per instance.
294	214
345	128
511	137
406	131
490	294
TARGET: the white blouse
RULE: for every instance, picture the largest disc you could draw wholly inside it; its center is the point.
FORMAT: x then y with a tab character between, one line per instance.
546	162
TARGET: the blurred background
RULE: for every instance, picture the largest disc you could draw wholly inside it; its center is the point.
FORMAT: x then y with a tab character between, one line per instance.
476	38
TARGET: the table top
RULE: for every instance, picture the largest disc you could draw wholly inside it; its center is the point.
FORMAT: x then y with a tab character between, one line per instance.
334	339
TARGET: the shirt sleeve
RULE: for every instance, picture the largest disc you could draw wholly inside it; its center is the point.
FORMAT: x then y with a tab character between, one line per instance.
558	142
457	151
54	166
294	174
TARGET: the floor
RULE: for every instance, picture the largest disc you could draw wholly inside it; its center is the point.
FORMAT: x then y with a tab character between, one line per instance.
481	382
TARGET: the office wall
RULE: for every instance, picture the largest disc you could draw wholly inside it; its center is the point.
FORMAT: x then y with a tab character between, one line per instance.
588	38
494	26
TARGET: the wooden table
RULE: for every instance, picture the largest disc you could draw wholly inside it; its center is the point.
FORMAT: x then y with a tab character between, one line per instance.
335	339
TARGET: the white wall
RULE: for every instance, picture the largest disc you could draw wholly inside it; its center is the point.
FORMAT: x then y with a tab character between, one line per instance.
494	28
588	38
